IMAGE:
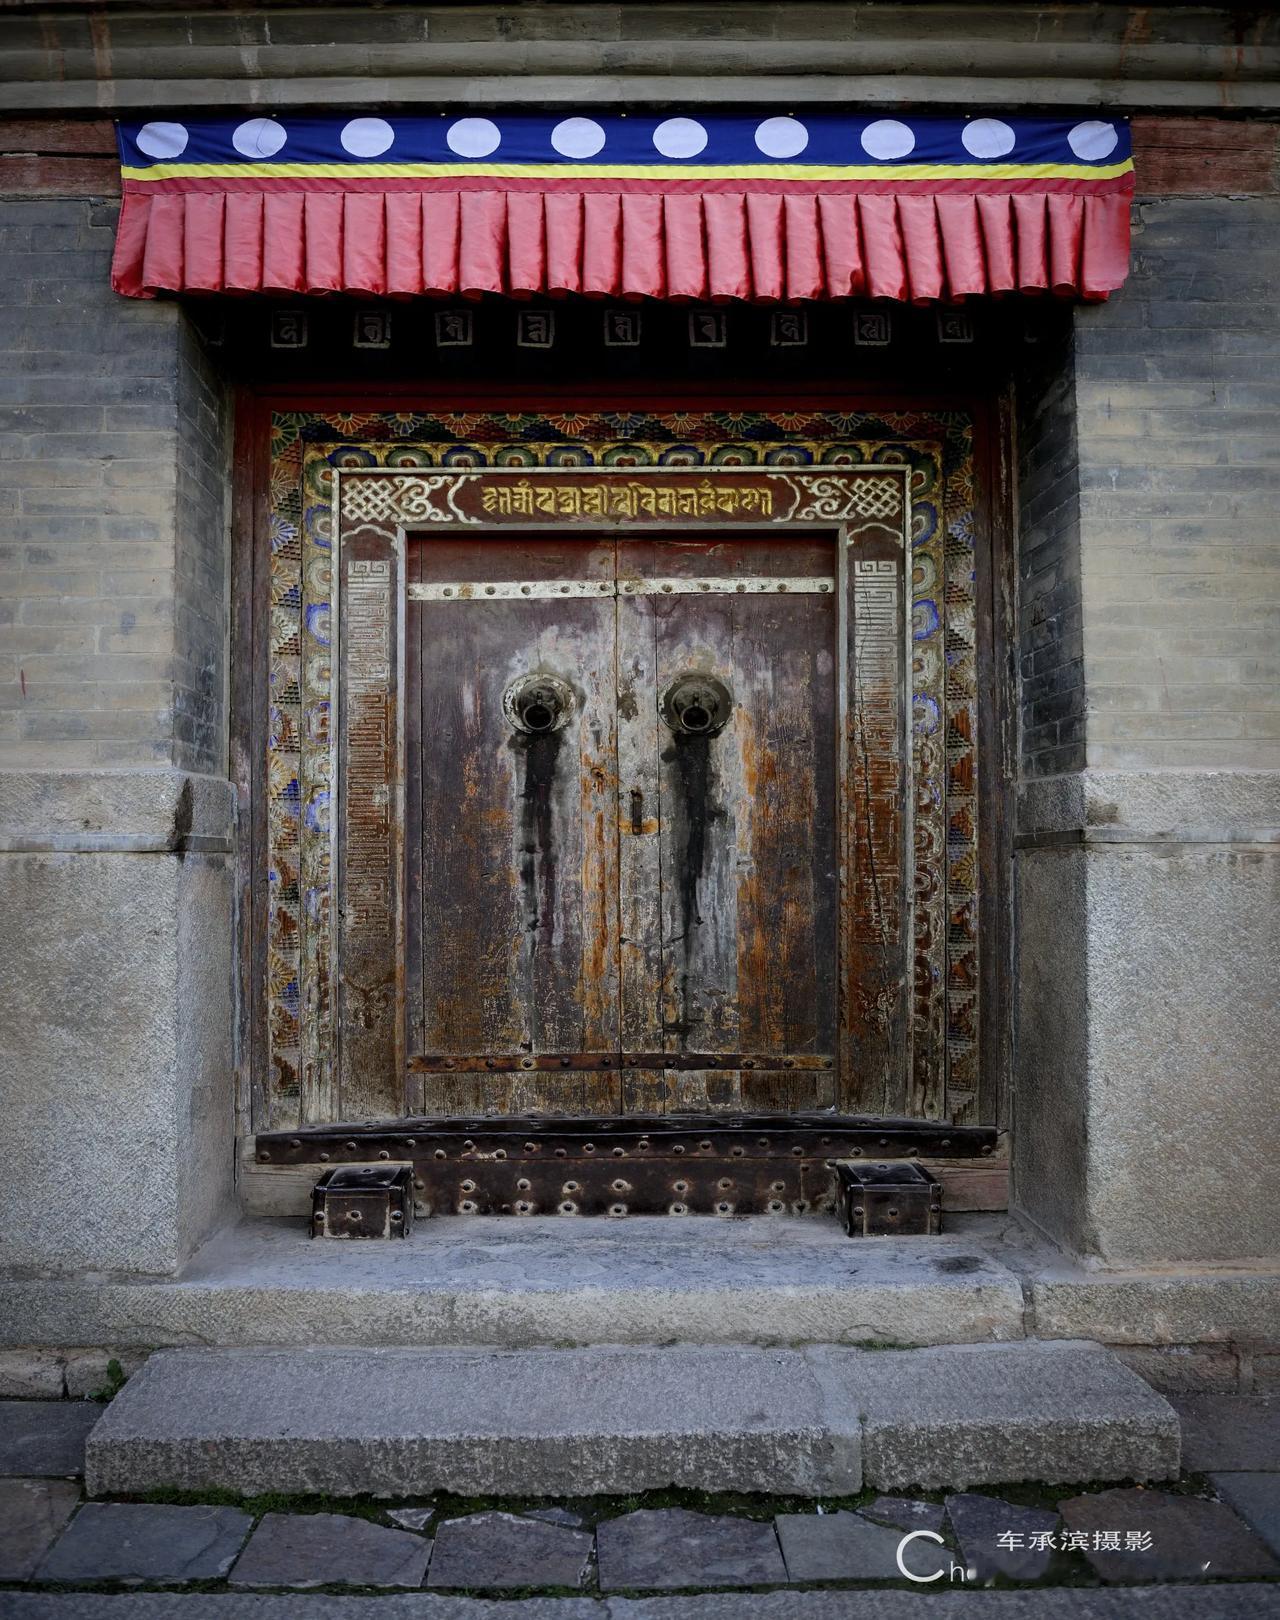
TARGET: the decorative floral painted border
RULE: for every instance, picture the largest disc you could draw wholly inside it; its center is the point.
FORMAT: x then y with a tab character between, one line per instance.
306	446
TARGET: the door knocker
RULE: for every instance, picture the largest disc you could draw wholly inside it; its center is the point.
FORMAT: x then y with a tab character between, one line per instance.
537	704
696	705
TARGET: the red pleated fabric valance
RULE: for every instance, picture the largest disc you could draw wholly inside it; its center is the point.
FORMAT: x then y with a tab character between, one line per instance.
918	225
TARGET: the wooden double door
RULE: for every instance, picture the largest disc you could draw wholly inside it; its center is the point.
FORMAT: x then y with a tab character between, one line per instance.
621	762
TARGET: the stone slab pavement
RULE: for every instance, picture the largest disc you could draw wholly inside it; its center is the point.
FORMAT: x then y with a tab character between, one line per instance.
1256	1498
669	1548
1230	1433
45	1438
32	1514
490	1551
138	1541
329	1549
1242	1602
847	1547
979	1523
1188	1538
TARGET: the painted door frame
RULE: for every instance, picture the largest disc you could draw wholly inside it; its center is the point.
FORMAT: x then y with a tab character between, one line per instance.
250	610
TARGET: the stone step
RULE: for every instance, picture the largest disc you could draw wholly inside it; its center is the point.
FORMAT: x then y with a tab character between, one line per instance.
613	1420
545	1281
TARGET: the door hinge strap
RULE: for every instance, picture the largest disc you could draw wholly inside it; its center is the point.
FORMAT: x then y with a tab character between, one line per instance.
526	1062
533	590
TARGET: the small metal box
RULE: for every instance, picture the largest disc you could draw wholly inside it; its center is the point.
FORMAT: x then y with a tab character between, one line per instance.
363	1201
886	1200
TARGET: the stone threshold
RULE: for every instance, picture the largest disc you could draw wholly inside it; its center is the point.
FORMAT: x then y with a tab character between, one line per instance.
542	1281
547	1281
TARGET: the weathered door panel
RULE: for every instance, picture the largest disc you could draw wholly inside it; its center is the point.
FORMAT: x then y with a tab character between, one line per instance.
622	885
513	939
733	948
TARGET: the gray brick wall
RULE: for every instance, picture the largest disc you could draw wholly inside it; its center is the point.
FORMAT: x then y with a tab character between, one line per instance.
1177	387
202	561
1050	640
112	509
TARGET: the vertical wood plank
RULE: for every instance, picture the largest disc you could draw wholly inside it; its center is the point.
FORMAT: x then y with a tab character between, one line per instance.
414	731
996	582
516	905
250	608
639	818
318	1074
874	897
927	1069
702	798
784	669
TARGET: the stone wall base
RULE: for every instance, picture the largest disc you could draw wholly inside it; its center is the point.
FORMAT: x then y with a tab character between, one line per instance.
1146	1128
117	1067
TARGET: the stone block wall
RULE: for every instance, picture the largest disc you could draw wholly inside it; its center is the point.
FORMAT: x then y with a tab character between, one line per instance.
118	896
1146	1126
1148	865
116	885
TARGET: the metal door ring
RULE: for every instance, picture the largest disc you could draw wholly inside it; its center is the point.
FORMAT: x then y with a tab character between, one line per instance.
538	704
696	705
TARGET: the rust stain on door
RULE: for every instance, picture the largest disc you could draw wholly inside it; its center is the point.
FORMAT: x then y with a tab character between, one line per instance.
626	813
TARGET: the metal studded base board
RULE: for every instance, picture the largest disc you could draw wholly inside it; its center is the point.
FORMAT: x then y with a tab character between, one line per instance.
671	1164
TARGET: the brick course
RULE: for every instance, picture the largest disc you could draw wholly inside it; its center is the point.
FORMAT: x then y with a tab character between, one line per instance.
1050	638
1179	481
113	490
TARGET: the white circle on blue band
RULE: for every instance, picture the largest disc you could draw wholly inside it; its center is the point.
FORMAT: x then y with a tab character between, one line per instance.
680	138
259	138
782	137
987	138
162	140
887	138
1092	141
473	137
367	137
577	138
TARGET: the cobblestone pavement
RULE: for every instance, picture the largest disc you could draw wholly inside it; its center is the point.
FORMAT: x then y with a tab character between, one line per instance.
1201	1547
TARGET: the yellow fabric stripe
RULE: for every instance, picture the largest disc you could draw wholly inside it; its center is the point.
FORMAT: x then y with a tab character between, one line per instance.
627	171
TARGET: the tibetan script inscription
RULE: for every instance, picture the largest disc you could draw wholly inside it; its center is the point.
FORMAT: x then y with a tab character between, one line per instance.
659	497
634	498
